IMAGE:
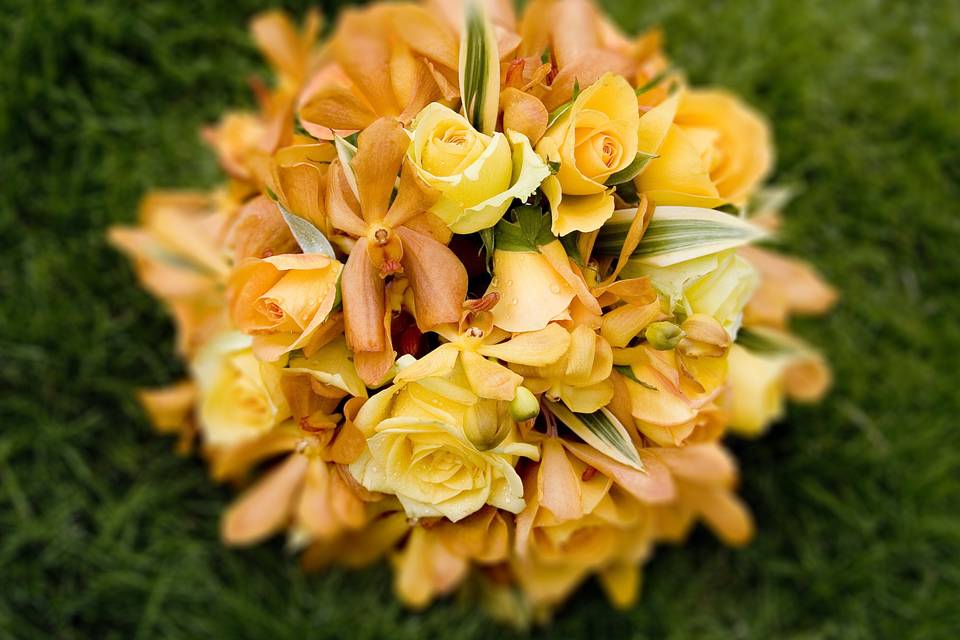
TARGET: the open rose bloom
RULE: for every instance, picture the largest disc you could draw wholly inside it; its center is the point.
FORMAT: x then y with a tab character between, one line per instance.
481	294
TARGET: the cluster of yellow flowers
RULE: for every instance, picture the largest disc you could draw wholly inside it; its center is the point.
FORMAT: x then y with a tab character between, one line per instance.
480	294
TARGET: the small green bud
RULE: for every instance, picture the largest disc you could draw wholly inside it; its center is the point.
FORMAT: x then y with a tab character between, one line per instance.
524	405
663	336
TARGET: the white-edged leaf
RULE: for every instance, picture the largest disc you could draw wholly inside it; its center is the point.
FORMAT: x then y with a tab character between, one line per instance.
479	69
310	239
345	152
602	431
677	234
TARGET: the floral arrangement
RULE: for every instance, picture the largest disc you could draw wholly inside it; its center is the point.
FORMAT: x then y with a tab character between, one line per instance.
481	295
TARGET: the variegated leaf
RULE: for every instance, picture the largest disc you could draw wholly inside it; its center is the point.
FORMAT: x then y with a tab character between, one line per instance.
479	69
677	234
602	431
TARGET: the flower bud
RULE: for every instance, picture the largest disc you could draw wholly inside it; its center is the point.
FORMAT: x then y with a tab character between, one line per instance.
663	336
524	405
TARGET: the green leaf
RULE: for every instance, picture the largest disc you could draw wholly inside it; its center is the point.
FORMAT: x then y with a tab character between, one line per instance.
527	234
479	69
570	244
628	192
558	113
602	431
677	234
489	239
310	239
632	170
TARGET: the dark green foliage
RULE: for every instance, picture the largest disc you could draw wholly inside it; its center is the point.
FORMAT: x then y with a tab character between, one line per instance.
105	533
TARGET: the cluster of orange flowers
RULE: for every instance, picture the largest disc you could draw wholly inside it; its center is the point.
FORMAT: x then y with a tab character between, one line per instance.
479	295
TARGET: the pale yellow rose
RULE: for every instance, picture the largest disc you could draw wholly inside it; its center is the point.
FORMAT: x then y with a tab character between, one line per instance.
712	149
717	285
479	175
418	450
239	396
595	138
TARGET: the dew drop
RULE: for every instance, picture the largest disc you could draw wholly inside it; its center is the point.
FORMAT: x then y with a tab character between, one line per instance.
509	283
514	301
554	288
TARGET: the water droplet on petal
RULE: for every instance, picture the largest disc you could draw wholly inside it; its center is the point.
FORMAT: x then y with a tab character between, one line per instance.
554	288
514	301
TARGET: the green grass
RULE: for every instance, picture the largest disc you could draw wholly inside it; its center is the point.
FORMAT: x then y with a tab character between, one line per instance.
105	533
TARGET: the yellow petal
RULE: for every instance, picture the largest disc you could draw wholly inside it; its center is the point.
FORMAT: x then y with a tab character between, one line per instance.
531	292
535	348
489	379
624	323
436	364
577	213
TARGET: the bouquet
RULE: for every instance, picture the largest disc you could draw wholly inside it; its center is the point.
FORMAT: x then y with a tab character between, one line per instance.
482	295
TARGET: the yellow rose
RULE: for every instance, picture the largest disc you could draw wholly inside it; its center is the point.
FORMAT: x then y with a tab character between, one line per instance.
766	369
717	285
283	301
418	450
756	390
239	396
478	175
593	140
712	149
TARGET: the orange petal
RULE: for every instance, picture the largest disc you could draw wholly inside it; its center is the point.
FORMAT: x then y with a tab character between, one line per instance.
437	278
556	255
169	407
414	197
523	113
337	107
258	231
380	150
426	35
341	205
654	485
264	508
363	301
361	47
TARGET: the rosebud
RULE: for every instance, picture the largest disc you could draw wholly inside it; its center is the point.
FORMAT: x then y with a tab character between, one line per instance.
524	405
663	336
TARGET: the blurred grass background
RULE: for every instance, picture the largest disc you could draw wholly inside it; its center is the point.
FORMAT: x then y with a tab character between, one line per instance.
105	533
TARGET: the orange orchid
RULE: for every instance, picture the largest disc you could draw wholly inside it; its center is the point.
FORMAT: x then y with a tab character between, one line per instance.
388	242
